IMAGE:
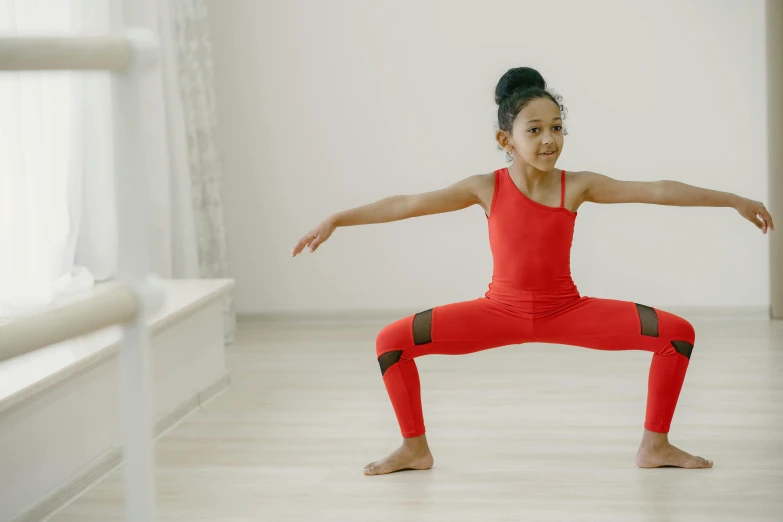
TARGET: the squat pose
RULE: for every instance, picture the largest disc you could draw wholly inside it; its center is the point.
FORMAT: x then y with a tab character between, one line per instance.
531	208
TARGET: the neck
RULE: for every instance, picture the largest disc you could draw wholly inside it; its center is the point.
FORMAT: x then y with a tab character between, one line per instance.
532	176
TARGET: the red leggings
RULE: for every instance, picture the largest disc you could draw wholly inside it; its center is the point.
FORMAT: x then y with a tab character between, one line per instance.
472	326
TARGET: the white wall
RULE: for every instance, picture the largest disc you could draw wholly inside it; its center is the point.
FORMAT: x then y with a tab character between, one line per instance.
330	105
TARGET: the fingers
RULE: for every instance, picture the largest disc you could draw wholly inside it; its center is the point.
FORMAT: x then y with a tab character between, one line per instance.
758	221
316	243
762	215
312	240
763	220
759	216
767	218
305	241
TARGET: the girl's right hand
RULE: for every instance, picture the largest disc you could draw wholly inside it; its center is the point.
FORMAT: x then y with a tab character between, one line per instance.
315	237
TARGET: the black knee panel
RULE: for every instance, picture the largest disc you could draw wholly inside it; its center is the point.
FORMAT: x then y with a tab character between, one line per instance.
649	319
422	327
683	347
387	359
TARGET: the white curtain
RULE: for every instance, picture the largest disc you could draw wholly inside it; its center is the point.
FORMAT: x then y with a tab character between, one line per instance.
57	201
53	140
195	73
171	228
41	167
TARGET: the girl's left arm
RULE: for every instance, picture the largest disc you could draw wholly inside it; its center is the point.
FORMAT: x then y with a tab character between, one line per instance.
598	188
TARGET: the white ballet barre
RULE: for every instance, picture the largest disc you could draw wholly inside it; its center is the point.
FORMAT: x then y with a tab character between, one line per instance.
113	307
137	295
104	53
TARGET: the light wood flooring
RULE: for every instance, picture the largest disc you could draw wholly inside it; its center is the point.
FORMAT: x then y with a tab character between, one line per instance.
520	433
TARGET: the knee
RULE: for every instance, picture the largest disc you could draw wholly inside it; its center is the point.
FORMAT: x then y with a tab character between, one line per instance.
389	345
683	330
691	332
390	338
659	323
683	336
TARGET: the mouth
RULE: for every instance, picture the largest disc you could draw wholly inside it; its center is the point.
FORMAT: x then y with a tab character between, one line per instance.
548	154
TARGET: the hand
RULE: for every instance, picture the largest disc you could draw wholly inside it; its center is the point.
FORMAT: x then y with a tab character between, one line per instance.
315	237
756	213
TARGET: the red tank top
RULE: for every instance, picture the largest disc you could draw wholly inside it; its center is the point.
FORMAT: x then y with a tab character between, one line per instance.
531	249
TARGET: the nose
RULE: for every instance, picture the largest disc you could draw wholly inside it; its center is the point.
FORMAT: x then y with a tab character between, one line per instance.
547	138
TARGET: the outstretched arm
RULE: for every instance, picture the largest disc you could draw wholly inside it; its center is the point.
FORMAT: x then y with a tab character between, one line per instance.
603	189
460	195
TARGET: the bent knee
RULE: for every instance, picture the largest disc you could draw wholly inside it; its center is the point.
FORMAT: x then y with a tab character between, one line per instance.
392	341
682	330
392	337
681	334
389	345
658	323
405	333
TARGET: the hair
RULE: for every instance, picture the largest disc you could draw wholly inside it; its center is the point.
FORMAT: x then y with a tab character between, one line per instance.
517	88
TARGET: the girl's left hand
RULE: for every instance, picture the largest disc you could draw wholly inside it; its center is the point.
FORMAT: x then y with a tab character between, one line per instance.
756	213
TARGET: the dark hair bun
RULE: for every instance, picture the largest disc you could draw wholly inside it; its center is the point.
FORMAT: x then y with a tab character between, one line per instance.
517	79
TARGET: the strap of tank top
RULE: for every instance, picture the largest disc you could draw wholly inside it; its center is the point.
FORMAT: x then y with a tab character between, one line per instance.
562	189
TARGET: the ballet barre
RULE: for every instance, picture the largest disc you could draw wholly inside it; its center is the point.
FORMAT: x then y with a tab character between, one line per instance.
136	294
114	307
64	53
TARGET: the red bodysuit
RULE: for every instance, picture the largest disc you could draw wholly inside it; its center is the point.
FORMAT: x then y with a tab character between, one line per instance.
532	299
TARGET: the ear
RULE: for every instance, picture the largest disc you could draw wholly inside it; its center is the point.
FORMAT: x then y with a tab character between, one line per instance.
502	138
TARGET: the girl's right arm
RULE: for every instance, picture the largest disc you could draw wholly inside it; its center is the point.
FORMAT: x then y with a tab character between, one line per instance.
469	191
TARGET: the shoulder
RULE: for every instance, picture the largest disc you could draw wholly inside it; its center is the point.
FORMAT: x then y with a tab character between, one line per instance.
483	178
579	185
482	186
579	181
480	182
581	176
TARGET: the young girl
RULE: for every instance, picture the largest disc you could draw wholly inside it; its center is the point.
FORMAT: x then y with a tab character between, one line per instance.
531	208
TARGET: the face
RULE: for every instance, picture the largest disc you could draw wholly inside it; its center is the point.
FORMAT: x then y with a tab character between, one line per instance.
537	137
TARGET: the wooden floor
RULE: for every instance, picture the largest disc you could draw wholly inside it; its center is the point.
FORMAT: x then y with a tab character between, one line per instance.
531	432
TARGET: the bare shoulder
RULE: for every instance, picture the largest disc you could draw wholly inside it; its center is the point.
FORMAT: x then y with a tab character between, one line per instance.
577	185
580	179
484	188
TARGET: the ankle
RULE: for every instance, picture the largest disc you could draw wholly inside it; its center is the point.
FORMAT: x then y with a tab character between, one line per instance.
654	440
416	444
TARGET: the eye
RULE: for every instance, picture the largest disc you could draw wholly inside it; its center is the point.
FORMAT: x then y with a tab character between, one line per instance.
558	127
534	128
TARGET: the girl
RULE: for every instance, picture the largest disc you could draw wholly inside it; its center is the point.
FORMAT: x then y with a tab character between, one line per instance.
531	208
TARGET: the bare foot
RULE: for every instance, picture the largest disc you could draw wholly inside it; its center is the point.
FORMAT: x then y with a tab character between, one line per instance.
413	454
656	452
